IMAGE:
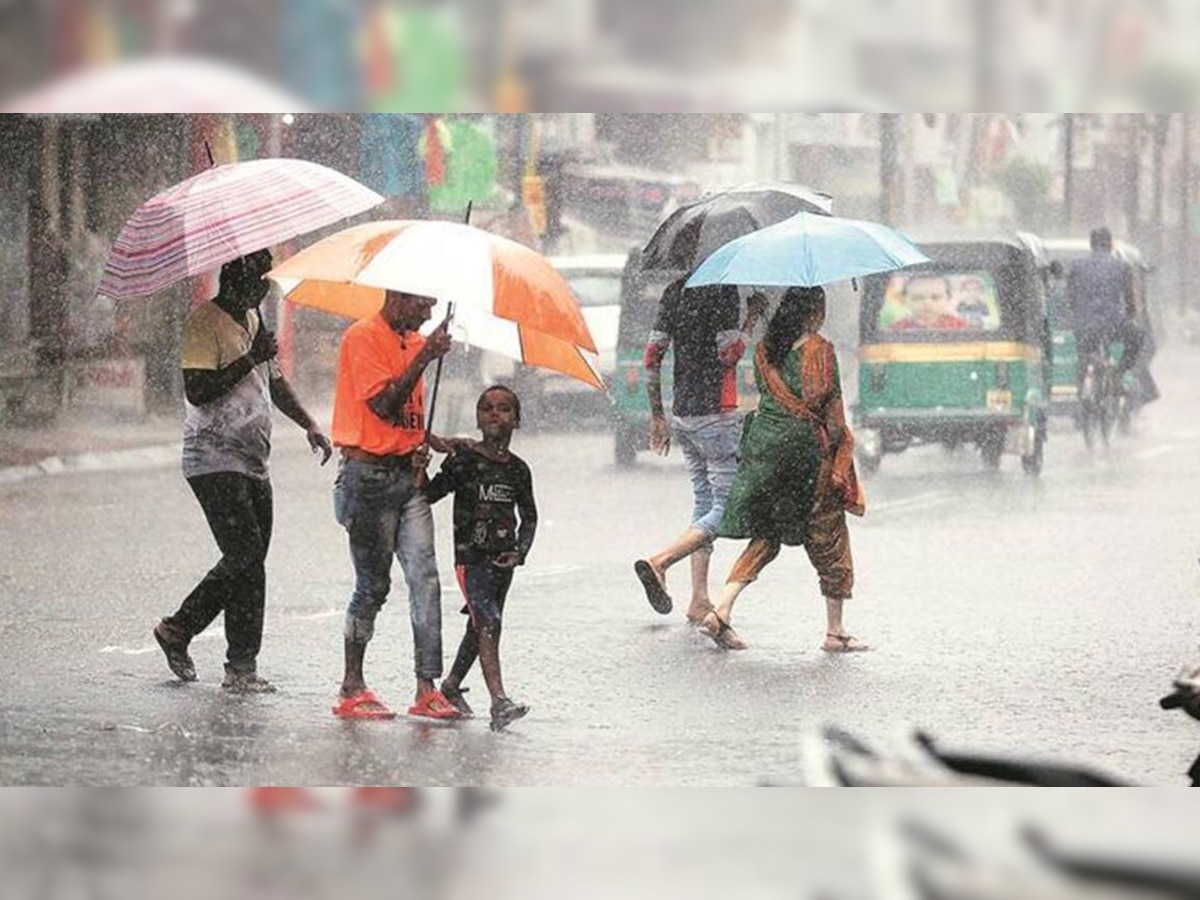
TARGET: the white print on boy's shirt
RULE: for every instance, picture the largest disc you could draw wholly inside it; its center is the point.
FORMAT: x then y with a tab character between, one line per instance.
496	493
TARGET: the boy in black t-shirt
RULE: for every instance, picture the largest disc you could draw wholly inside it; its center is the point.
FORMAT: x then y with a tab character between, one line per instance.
491	486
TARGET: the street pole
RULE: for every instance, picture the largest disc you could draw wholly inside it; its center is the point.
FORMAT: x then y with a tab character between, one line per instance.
1162	127
1069	171
1185	213
780	146
1133	177
888	164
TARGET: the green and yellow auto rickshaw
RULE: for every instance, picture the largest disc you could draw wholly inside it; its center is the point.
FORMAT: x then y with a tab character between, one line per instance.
956	352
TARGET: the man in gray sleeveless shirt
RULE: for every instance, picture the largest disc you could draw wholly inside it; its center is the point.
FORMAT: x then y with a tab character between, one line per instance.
230	382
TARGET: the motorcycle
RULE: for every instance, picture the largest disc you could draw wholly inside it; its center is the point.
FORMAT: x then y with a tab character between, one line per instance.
922	854
834	757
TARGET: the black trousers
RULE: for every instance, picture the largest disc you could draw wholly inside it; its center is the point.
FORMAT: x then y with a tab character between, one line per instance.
239	510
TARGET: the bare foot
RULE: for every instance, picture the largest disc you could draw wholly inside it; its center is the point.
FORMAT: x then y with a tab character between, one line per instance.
713	626
843	643
698	610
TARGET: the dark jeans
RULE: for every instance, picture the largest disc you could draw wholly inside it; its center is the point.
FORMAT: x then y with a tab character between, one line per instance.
485	588
239	512
387	517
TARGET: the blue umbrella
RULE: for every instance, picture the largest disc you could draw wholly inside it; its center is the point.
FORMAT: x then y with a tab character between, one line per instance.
808	250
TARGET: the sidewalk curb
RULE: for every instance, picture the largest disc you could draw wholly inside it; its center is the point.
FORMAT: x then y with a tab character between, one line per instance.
146	457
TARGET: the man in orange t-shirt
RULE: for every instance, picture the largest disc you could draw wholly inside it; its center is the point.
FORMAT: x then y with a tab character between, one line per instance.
379	426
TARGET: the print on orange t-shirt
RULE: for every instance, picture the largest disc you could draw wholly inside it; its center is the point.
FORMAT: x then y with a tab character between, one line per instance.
371	355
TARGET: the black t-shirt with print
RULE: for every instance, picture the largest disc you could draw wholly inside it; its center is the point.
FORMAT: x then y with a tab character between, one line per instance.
694	320
488	496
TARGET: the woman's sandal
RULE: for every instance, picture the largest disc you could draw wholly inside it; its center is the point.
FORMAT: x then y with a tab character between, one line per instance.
723	634
846	643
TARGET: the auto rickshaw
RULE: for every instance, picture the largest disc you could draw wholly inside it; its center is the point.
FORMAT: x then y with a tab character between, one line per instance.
956	352
1064	382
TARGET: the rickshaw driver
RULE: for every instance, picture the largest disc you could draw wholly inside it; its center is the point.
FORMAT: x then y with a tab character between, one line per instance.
1100	294
927	295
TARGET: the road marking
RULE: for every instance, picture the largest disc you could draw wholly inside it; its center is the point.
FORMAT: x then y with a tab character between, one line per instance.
1155	451
317	616
128	651
929	498
152	648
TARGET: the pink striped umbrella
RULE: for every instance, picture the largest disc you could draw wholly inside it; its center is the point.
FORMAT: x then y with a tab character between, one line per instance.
223	213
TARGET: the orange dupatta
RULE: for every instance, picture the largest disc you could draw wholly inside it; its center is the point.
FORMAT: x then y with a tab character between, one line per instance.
817	368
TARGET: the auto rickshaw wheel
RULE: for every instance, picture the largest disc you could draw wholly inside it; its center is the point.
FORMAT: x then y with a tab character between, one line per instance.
624	447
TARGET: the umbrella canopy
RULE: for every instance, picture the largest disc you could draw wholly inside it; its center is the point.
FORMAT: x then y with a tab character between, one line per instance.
507	297
223	213
691	233
808	250
161	85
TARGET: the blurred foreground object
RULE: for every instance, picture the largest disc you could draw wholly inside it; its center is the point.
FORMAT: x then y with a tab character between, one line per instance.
224	213
835	758
159	85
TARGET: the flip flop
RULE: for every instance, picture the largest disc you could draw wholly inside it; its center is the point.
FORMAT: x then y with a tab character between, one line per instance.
847	643
659	599
434	706
352	707
723	635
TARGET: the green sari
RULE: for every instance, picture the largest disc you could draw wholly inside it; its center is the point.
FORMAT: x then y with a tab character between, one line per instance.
780	474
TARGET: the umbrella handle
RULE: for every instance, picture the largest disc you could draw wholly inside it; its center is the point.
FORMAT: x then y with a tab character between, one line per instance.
437	376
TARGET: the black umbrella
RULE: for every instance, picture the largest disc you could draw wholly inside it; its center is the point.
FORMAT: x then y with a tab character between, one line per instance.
691	233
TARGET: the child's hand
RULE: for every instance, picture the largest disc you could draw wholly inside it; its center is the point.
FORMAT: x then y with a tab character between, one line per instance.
509	560
420	458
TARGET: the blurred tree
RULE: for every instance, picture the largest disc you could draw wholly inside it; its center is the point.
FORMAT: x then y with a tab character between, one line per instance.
1027	185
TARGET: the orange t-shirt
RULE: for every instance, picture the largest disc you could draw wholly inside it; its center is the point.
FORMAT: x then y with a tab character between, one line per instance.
371	355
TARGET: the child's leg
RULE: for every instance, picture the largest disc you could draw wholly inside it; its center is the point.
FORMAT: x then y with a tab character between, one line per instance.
468	652
489	660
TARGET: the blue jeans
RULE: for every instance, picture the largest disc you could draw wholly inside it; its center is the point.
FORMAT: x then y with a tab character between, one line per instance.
386	514
710	448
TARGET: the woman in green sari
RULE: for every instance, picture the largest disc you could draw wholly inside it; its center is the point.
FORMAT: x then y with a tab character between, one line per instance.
796	478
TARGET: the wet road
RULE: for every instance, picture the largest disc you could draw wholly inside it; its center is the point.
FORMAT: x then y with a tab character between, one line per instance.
1011	614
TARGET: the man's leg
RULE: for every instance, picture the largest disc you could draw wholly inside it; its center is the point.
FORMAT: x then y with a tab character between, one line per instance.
247	605
369	517
718	445
226	500
414	542
694	538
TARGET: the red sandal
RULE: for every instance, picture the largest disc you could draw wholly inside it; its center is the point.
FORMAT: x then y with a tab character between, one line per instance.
434	705
353	707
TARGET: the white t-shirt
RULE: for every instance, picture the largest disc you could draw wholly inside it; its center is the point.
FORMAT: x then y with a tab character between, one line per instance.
232	433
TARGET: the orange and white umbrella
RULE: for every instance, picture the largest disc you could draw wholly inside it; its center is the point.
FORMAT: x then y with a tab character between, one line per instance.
507	297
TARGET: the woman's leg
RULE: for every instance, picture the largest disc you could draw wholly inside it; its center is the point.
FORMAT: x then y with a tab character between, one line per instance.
827	542
756	557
